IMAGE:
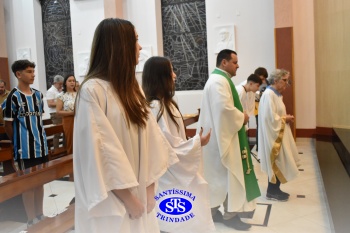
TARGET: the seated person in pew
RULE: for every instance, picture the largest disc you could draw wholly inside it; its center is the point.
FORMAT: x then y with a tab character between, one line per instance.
158	82
3	95
24	107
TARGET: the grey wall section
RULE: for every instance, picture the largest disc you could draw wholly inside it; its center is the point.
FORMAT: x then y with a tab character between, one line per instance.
57	34
185	41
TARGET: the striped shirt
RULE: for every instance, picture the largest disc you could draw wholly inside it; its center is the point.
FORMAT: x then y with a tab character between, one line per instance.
25	111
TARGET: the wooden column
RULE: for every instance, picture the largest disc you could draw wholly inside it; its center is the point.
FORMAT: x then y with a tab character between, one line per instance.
284	60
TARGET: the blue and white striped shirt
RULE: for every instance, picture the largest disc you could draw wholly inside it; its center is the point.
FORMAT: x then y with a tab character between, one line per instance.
25	111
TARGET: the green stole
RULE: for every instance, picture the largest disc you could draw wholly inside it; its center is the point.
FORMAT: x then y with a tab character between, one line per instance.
251	183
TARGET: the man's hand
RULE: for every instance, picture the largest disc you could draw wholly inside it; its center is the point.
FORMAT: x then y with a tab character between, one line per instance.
205	138
246	118
134	207
289	118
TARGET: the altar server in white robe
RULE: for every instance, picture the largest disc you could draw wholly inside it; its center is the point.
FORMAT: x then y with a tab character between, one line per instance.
277	149
246	92
227	162
119	152
158	82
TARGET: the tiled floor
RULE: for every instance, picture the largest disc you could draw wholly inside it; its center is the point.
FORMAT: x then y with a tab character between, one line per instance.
298	215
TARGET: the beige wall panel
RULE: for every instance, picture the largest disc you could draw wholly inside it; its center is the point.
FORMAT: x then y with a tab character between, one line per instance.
332	37
113	8
283	13
304	64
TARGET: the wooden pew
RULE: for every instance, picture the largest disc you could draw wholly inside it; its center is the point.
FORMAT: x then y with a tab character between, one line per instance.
4	143
16	183
47	121
190	119
6	157
55	152
58	224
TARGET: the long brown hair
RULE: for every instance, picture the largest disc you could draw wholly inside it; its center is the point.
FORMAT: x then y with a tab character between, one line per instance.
158	84
113	58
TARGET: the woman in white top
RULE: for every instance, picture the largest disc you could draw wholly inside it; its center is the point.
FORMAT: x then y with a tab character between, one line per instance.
65	108
277	149
182	183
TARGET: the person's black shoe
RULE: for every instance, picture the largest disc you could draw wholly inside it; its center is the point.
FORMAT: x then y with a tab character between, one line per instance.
284	193
236	223
277	197
217	217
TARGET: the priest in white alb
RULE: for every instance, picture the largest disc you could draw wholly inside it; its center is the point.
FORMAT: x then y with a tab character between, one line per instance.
228	166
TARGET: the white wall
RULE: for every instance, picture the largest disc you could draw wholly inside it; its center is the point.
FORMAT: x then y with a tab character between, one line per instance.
144	14
24	30
254	30
254	33
85	16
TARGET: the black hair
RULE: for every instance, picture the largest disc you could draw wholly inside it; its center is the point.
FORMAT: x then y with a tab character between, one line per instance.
64	86
224	54
20	65
158	84
261	71
254	78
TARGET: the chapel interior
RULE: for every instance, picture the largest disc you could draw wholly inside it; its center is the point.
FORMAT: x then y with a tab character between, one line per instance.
309	38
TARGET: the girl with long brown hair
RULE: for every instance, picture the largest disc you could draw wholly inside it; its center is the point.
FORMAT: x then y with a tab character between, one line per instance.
158	83
118	151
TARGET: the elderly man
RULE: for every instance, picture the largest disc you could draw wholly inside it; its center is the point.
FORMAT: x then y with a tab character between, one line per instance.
51	96
228	166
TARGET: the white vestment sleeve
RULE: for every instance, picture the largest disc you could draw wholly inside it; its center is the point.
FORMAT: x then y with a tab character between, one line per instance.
188	151
99	157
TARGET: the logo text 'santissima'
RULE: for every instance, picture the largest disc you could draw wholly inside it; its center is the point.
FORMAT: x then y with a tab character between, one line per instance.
175	202
175	191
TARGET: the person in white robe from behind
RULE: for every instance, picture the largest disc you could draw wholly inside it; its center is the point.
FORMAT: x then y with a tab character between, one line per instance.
277	149
158	82
119	151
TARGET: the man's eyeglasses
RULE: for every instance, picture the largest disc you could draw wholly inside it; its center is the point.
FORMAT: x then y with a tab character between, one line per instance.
286	80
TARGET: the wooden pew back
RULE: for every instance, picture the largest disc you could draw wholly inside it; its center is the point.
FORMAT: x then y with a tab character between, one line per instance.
6	157
16	183
55	152
58	224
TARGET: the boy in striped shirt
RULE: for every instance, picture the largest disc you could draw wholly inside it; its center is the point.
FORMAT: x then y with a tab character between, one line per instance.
23	111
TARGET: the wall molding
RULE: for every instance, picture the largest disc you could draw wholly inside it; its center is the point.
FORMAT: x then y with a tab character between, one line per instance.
300	133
